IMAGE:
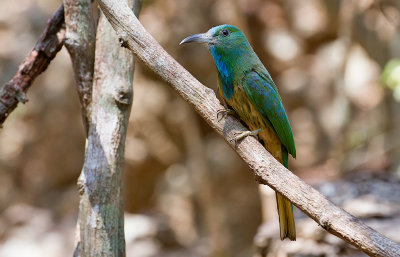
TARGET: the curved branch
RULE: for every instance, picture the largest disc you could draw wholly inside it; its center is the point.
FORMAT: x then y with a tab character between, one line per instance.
47	47
264	167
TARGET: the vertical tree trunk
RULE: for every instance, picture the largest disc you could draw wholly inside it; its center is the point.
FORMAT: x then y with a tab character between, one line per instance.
101	214
80	42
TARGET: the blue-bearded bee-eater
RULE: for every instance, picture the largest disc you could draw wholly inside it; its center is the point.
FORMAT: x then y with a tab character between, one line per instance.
245	86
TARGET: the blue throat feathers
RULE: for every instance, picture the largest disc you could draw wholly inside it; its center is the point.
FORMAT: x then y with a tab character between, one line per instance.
227	86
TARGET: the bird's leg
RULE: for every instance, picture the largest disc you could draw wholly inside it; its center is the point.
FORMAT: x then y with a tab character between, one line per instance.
221	114
241	135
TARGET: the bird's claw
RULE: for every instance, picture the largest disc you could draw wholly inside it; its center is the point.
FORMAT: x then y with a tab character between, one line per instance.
240	135
223	113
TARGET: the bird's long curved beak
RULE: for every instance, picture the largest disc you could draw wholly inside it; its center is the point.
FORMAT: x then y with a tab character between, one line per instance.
198	38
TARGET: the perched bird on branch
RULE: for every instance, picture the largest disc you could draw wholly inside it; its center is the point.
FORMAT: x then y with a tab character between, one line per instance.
246	88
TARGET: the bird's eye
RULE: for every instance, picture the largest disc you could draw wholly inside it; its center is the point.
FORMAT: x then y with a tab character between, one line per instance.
224	32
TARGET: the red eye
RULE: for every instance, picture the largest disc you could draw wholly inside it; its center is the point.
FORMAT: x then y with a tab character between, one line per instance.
224	32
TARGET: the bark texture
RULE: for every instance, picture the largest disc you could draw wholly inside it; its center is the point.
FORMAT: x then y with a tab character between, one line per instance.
101	216
265	168
80	40
47	47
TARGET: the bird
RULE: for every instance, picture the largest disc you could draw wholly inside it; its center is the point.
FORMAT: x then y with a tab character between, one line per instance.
246	88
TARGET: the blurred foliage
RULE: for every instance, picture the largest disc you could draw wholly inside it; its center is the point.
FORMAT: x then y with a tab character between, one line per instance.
187	191
391	77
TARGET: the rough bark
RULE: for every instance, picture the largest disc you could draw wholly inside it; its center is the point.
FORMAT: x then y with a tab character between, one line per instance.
47	47
101	216
80	40
264	167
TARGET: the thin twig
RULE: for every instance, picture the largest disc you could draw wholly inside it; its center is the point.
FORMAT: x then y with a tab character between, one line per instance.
47	47
265	168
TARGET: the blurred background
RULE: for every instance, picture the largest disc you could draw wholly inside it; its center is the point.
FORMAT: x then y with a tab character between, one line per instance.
186	192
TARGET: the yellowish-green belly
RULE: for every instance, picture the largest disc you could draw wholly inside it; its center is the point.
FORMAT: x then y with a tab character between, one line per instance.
251	117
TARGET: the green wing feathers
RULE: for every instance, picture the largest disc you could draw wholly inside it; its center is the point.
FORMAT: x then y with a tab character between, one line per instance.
264	96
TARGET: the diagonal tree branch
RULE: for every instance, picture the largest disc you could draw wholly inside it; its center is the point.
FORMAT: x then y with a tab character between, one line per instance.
265	168
47	47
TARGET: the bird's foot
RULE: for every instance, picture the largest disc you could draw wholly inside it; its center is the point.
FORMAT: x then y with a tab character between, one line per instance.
223	113
240	135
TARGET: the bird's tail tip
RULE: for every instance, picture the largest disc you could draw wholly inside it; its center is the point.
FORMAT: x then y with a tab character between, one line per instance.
286	219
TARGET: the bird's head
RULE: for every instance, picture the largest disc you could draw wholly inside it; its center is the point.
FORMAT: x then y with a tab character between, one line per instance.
223	36
229	47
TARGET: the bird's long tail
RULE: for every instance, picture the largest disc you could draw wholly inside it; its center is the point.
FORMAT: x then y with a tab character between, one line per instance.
285	208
